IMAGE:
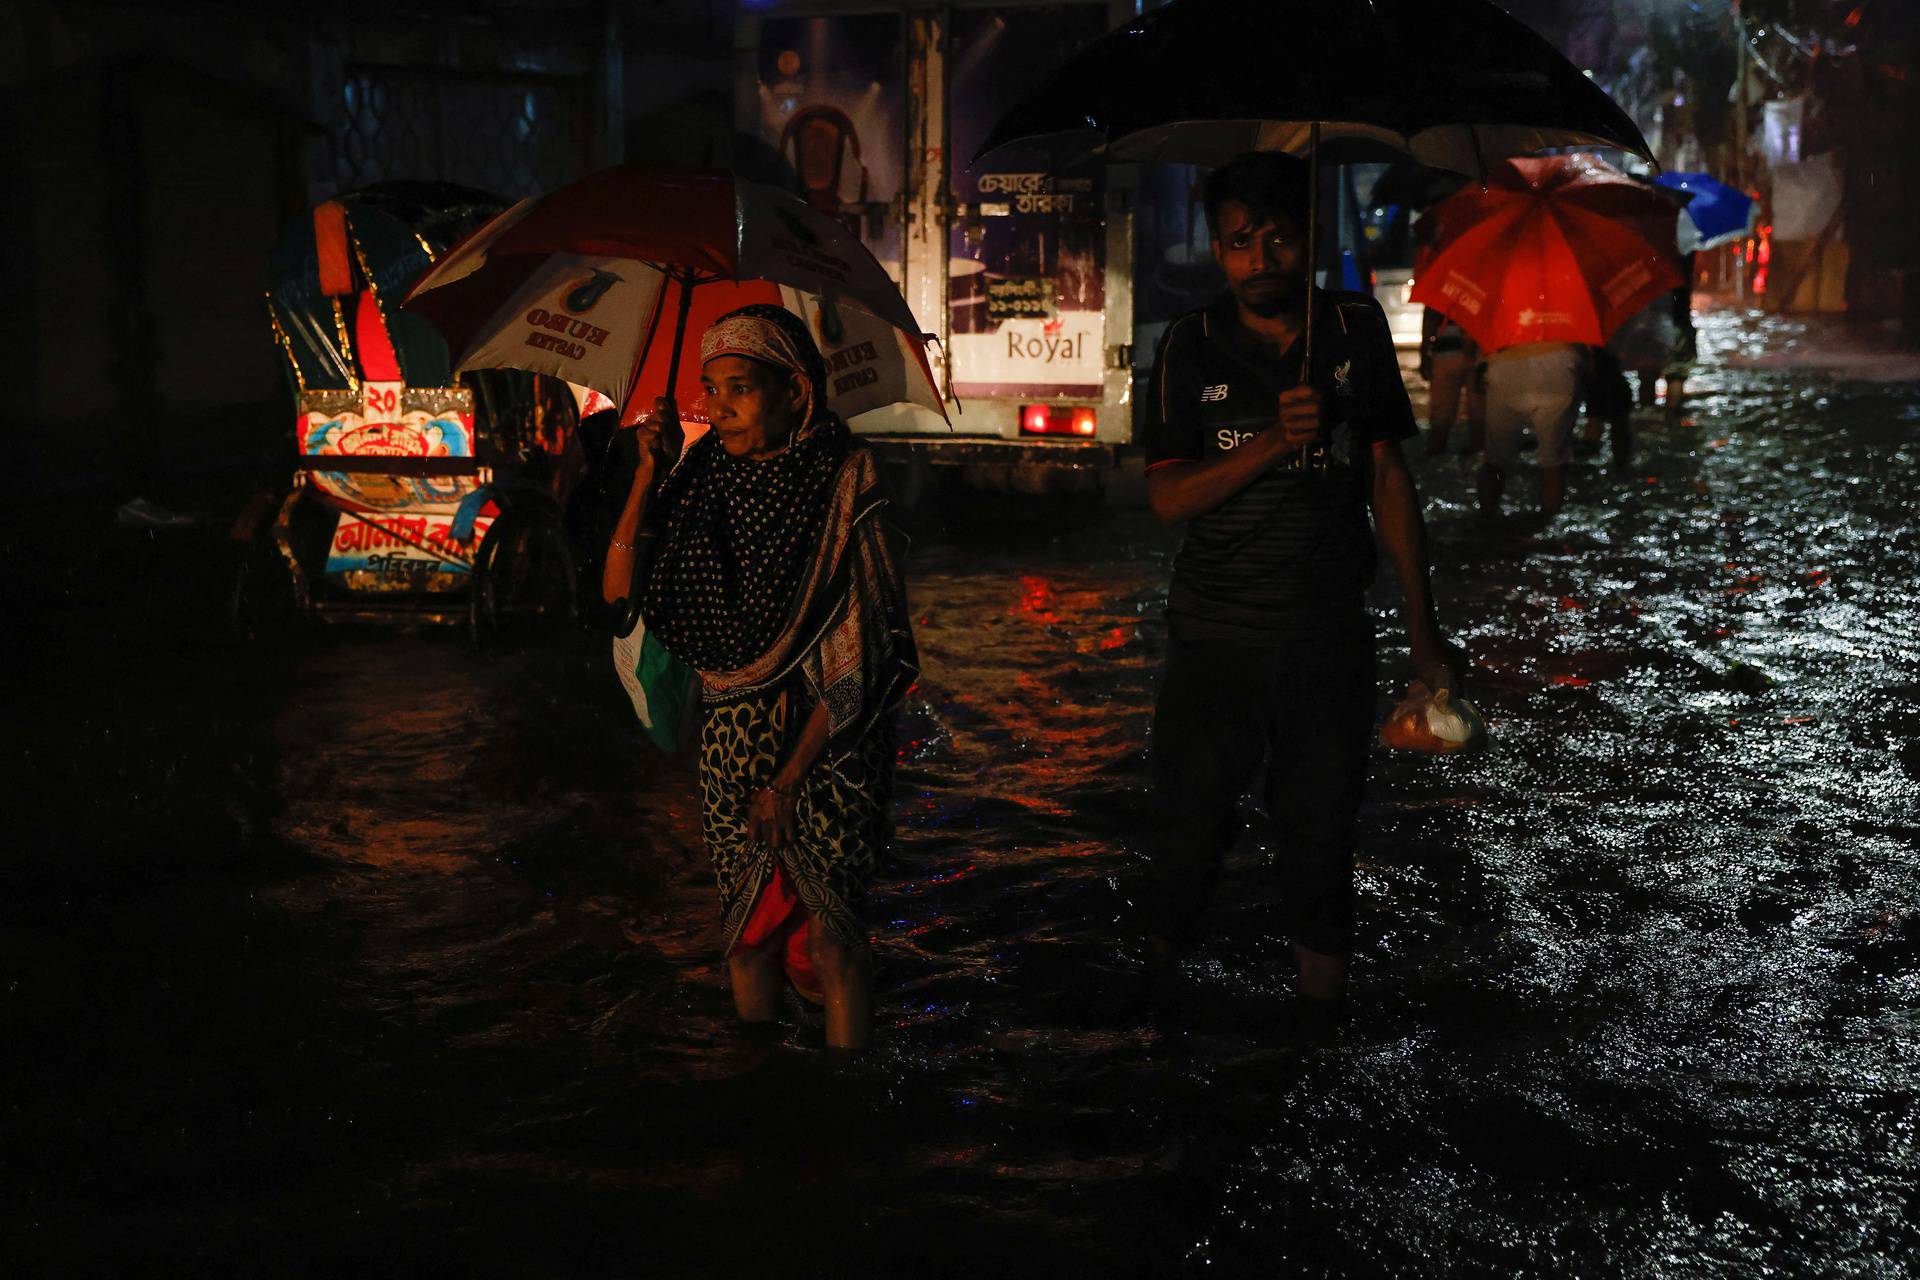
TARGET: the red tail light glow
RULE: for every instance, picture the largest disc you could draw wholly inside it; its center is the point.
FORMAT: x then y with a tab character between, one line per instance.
1058	420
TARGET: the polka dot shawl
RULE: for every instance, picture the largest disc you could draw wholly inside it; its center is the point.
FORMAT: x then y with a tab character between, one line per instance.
736	536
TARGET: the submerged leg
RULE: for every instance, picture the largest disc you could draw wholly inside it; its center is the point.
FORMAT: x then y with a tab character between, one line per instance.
1491	483
1443	401
1208	739
1676	393
846	975
1315	786
1553	487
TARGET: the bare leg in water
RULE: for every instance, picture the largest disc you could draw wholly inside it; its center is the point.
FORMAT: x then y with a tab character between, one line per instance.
1649	392
1491	482
846	977
1676	394
1445	391
757	974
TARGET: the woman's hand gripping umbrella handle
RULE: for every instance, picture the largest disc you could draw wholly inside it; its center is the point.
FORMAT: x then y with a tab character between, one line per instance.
657	438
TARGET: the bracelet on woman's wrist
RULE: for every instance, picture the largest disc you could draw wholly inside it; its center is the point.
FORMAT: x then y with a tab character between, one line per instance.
788	793
624	546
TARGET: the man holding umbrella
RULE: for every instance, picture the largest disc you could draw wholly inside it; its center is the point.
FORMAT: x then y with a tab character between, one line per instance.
1274	469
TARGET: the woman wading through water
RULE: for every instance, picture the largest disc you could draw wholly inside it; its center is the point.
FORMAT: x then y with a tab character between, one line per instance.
765	565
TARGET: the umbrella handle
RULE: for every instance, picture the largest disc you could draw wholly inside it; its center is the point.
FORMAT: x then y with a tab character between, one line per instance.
629	616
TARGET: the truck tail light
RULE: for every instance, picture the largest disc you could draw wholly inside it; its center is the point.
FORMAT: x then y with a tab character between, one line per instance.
1058	420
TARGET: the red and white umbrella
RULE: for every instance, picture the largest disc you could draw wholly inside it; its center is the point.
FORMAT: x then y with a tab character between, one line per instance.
601	281
1551	249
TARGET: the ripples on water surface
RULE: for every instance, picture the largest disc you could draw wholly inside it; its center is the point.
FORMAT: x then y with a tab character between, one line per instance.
380	956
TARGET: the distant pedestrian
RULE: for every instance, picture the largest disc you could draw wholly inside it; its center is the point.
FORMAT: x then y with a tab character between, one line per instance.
1659	342
1532	387
1450	362
770	573
1270	667
1644	345
1609	405
1686	351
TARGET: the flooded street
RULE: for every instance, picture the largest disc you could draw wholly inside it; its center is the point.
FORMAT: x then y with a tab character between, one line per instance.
374	955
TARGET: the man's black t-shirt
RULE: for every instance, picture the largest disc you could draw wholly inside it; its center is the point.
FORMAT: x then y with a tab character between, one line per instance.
1263	563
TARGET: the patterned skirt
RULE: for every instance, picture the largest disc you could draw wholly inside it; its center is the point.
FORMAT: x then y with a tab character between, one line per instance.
843	816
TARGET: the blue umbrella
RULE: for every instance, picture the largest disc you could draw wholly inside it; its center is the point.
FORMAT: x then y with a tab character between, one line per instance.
1717	214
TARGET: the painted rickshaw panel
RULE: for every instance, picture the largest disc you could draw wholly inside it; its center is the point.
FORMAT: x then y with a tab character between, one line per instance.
373	382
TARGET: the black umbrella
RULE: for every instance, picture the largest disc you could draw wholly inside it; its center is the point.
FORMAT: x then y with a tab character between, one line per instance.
1454	84
1415	185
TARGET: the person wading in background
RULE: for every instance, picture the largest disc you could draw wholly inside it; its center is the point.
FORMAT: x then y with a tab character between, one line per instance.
1531	387
1450	362
1270	645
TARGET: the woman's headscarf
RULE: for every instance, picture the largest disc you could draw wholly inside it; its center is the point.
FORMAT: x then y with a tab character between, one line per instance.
772	335
735	534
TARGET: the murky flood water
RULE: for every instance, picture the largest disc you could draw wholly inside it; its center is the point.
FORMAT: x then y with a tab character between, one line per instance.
376	955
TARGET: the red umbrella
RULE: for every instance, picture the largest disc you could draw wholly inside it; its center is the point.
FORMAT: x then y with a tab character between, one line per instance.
1552	249
602	281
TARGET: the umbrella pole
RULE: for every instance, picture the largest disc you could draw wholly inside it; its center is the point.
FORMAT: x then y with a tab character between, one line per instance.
1313	234
1313	250
686	283
679	336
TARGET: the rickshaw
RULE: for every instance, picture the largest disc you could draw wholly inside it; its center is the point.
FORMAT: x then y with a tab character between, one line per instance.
416	497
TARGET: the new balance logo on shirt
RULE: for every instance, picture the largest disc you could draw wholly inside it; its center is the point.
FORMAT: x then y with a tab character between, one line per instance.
1209	395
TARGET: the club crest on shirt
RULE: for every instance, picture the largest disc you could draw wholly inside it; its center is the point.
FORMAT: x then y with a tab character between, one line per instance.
1210	395
1343	378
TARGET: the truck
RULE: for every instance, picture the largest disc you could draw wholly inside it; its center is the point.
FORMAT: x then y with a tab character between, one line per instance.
1021	269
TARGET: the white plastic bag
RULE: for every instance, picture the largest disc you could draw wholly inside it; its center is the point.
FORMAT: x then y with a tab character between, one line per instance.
1434	723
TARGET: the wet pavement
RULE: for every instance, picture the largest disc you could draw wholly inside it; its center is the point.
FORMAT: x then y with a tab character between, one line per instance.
373	955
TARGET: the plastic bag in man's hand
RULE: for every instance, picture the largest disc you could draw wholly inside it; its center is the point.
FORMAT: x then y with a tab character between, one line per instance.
1434	723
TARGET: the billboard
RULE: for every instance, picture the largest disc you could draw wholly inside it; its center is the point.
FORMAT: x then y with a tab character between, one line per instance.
1027	250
